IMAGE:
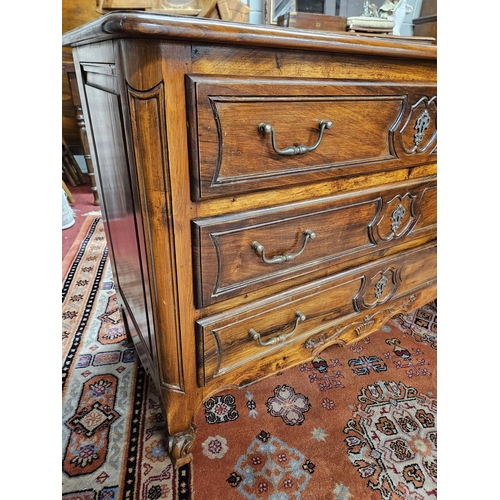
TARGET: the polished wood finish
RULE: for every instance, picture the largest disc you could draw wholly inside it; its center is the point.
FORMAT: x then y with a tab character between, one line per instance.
230	155
226	264
193	193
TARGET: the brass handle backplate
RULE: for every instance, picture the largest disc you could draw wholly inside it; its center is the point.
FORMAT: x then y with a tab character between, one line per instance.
279	338
278	259
266	128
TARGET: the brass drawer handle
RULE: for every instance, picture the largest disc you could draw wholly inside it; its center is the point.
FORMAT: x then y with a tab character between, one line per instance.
279	338
278	259
266	128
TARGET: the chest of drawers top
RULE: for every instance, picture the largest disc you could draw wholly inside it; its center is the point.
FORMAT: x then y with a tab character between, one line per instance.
171	27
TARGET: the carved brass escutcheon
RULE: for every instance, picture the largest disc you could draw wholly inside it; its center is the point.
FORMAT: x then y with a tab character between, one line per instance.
378	289
396	217
379	286
418	133
421	126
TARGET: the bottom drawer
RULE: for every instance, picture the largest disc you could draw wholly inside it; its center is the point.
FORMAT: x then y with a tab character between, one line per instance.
291	326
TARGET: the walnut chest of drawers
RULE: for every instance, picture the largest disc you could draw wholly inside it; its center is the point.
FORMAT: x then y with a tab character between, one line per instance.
266	192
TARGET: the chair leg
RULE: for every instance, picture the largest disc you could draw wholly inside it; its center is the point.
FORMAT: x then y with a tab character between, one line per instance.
71	198
70	167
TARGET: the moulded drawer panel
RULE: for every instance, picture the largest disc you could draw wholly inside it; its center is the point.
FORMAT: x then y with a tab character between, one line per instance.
240	252
373	129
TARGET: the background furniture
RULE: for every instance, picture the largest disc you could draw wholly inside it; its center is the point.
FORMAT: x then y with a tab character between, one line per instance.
70	168
75	13
426	23
69	69
69	196
266	192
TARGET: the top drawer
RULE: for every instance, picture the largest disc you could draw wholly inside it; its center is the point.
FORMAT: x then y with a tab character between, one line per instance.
234	122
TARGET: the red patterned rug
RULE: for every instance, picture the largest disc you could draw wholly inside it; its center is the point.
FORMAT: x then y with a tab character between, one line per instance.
356	423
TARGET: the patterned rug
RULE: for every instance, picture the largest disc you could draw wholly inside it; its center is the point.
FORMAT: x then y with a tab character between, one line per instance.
357	422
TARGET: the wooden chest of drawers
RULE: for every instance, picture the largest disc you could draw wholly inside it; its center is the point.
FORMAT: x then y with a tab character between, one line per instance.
266	192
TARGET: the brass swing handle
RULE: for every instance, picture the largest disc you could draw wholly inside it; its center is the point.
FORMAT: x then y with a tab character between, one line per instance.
266	128
279	338
278	259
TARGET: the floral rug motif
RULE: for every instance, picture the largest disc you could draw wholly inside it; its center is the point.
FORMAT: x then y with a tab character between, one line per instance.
288	405
357	422
270	469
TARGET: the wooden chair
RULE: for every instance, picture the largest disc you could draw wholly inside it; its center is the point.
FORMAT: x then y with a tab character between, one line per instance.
71	198
70	168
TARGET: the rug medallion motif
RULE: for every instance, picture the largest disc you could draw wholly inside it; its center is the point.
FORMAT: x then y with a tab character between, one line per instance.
270	469
88	445
392	441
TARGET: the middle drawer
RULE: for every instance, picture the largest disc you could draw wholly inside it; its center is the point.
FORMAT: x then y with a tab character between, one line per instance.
240	252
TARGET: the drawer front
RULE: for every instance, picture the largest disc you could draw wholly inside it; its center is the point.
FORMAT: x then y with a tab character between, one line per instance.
273	327
374	127
241	252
